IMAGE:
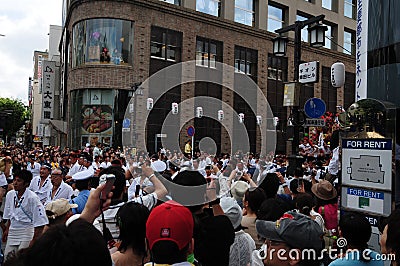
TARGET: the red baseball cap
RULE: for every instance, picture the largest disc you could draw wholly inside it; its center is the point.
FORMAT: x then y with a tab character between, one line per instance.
170	221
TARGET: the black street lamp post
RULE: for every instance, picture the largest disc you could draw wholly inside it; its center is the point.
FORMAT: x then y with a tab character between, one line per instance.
317	39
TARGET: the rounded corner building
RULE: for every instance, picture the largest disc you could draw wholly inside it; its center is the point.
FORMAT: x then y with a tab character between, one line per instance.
109	47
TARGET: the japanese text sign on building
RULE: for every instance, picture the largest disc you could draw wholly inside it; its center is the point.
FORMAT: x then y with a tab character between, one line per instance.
308	72
314	122
48	78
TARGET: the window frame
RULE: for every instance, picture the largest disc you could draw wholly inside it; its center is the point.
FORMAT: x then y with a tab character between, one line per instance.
352	41
247	11
351	3
282	9
243	61
217	2
207	53
165	44
175	2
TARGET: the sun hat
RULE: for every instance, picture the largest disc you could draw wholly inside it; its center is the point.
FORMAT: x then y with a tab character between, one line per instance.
238	189
324	190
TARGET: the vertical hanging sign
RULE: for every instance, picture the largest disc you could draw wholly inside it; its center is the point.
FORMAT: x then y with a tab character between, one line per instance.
48	78
361	49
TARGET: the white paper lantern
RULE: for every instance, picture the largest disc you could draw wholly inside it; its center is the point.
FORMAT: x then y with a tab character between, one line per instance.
199	112
241	118
276	121
175	109
337	74
220	115
150	103
259	119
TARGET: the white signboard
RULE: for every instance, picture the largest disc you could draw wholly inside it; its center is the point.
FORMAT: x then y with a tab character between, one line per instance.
367	163
308	72
95	97
366	200
361	49
318	122
40	130
48	79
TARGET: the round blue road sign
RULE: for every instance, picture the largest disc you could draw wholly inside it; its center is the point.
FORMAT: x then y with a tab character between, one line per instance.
314	108
190	131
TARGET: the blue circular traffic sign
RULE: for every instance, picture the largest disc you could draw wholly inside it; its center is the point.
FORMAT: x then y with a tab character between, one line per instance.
190	131
314	108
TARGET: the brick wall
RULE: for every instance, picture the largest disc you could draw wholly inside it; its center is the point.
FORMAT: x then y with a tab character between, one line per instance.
146	13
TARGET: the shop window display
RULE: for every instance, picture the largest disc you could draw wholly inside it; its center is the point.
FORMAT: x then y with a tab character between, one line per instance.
104	41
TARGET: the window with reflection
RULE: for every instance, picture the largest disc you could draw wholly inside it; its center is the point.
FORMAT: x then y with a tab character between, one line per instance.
350	8
174	2
244	12
211	7
105	41
330	4
208	52
275	18
328	37
246	61
349	42
327	4
304	31
166	44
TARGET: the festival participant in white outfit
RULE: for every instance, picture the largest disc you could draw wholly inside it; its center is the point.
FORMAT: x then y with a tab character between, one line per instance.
88	163
25	214
60	189
41	184
77	167
33	166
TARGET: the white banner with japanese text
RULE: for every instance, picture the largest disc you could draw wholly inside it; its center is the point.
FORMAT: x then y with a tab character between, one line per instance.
48	78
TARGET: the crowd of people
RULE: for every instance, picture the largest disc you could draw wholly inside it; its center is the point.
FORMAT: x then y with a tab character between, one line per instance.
172	209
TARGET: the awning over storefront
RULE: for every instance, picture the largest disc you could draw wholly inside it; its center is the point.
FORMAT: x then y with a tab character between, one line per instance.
59	125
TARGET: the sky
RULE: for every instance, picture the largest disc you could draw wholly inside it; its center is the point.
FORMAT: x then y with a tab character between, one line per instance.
25	24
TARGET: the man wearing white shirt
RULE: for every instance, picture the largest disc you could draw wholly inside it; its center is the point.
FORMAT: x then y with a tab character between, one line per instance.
60	189
33	166
88	163
196	167
77	167
25	213
41	184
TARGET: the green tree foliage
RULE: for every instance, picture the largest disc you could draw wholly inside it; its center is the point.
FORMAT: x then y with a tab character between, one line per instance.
13	115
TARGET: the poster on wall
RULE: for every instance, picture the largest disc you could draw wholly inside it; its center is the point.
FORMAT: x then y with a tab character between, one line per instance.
97	119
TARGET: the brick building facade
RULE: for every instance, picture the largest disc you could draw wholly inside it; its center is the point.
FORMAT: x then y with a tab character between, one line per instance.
191	28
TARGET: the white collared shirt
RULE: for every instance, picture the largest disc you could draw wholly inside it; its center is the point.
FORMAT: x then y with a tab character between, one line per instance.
27	212
34	169
64	191
41	190
76	168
